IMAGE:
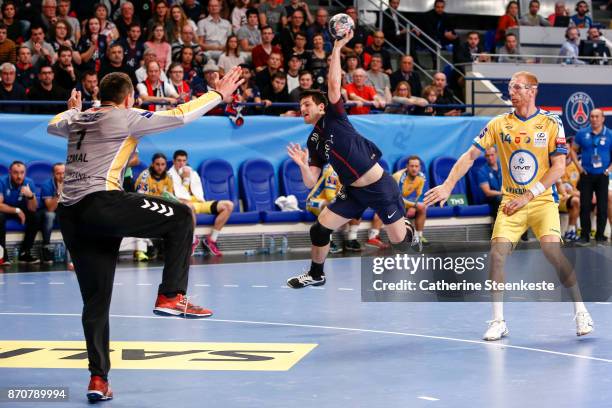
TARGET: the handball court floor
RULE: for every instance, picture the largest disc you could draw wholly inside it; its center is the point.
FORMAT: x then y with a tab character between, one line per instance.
271	346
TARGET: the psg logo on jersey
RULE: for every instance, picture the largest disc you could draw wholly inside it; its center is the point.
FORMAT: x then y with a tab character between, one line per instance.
577	110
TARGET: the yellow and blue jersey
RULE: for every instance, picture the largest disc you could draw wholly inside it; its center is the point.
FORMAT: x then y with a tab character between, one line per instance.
412	189
327	186
525	146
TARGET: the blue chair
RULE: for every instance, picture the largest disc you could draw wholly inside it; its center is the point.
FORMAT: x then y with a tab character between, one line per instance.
218	183
136	170
292	183
39	171
3	170
258	190
383	163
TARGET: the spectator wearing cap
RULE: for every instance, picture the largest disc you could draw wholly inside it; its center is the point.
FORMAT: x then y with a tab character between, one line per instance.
261	52
213	31
276	92
141	73
231	55
294	66
154	93
264	77
249	35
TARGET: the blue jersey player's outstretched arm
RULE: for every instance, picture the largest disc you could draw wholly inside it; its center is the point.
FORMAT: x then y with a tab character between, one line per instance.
334	75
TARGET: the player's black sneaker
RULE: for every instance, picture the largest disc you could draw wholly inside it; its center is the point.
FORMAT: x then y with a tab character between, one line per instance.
25	257
305	279
352	245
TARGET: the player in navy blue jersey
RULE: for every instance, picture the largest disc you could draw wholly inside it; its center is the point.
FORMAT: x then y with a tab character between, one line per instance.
364	183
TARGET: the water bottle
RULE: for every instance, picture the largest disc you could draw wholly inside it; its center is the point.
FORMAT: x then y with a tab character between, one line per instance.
60	252
284	245
250	252
271	245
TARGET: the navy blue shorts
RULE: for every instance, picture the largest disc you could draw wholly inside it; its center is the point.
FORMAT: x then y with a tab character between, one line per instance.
382	196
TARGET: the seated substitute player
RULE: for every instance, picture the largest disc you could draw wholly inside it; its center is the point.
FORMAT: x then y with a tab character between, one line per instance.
411	181
51	191
569	198
95	214
532	154
155	182
355	158
188	189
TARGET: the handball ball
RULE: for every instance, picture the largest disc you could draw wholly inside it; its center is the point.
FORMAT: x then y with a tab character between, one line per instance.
340	25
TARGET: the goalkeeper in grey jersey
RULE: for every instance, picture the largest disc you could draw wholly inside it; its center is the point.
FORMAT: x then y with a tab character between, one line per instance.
95	213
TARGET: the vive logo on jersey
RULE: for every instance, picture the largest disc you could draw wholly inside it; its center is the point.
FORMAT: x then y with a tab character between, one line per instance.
577	110
523	167
540	139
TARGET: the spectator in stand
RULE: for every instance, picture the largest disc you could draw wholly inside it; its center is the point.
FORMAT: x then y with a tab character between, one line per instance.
294	66
598	48
560	11
48	17
92	46
264	77
148	56
378	47
193	9
8	49
63	12
402	96
581	19
143	12
360	34
51	191
191	70
508	20
276	92
231	55
430	94
261	52
213	31
317	61
115	63
570	49
490	180
188	39
188	188
89	87
41	50
249	35
445	96
406	73
161	15
63	69
569	197
438	25
18	202
296	25
176	76
306	83
511	50
26	71
359	93
378	79
239	15
299	49
362	55
61	33
202	85
46	90
532	18
133	47
248	91
464	53
352	63
153	89
178	19
17	30
126	19
11	91
158	43
113	7
392	28
321	26
107	27
303	7
273	14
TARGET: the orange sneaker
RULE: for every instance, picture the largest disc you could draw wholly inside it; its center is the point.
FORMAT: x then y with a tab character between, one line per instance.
376	243
179	306
98	390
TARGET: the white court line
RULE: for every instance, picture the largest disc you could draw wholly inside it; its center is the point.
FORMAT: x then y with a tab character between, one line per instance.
205	285
423	397
317	288
603	303
118	283
230	286
259	286
144	284
27	283
345	289
56	283
499	345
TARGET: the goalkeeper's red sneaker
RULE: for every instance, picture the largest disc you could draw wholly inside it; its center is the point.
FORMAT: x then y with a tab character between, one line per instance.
179	306
98	390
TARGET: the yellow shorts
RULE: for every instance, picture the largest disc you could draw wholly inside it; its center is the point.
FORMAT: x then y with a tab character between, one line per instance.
204	207
563	204
316	205
541	215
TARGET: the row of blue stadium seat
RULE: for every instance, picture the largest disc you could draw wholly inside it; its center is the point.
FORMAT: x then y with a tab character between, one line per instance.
259	189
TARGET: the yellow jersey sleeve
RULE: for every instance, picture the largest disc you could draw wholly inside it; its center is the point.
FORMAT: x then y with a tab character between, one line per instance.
556	142
488	135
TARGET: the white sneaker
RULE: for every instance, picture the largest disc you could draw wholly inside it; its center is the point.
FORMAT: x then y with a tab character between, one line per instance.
497	329
584	323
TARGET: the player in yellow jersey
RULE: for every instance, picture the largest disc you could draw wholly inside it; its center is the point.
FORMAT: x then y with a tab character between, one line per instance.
322	194
411	181
569	197
532	152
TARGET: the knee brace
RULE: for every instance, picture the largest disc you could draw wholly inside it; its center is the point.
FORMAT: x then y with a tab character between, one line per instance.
319	235
407	243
